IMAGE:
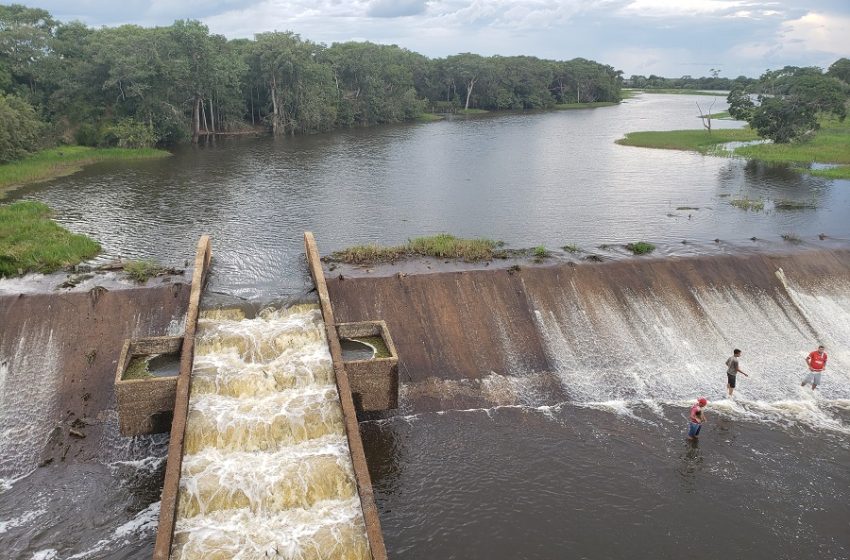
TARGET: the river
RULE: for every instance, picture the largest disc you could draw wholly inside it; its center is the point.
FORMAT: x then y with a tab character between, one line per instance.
584	470
529	179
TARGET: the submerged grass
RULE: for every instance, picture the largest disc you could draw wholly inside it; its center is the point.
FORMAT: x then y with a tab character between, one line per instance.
748	204
31	242
640	248
691	140
58	162
444	246
794	205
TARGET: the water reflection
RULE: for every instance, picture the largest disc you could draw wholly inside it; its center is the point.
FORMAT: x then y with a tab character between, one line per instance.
547	178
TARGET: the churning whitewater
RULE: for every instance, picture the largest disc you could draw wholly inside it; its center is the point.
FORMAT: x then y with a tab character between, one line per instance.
267	471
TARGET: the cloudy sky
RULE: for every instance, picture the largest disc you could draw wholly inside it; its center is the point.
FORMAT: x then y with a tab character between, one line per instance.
666	37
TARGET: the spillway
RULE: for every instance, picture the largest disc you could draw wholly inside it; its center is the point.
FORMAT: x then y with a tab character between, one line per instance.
267	471
619	335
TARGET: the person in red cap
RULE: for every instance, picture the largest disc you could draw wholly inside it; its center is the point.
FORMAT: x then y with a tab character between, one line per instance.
817	363
696	418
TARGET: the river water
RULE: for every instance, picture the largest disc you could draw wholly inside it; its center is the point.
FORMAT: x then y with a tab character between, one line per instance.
547	178
586	471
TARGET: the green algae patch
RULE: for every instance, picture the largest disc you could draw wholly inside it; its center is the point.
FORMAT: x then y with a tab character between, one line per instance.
66	160
31	242
376	342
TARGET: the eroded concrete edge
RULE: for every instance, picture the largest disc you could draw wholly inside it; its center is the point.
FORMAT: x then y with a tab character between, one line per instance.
352	429
171	485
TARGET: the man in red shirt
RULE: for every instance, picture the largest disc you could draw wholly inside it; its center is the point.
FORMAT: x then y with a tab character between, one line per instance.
817	363
696	418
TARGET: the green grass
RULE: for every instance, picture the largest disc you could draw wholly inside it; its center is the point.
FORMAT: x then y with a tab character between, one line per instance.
690	140
142	271
571	248
429	117
628	93
539	253
31	242
640	248
840	172
722	115
683	91
472	111
831	144
443	246
567	106
748	204
58	162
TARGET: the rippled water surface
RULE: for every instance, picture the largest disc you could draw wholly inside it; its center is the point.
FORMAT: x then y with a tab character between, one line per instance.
546	178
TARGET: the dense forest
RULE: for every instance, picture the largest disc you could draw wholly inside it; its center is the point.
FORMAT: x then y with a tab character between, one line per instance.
132	86
713	82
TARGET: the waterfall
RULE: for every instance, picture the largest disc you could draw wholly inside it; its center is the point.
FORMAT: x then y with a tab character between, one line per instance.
267	471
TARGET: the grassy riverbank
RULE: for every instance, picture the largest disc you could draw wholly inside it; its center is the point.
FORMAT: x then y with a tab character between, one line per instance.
65	160
688	140
831	145
683	91
567	106
31	242
442	246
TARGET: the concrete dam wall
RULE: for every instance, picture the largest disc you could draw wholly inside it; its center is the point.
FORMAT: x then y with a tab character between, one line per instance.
615	333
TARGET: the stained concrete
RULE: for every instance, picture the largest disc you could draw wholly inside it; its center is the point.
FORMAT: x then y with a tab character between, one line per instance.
466	324
145	406
88	329
374	382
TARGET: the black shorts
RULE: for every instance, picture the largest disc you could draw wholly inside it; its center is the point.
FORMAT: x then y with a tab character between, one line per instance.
731	379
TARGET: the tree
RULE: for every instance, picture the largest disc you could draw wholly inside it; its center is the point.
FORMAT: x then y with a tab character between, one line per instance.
790	102
20	128
840	69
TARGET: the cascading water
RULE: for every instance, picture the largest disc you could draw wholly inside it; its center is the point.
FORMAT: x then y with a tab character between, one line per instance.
267	471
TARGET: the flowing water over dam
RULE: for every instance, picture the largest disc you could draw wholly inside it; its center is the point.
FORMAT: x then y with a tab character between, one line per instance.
267	472
552	402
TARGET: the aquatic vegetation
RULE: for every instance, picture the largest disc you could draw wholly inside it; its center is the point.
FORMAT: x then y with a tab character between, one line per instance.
792	238
142	271
540	252
794	205
31	242
749	204
571	248
443	246
640	248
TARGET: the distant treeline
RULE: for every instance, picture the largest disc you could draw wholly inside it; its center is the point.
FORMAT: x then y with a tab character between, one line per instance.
133	86
711	83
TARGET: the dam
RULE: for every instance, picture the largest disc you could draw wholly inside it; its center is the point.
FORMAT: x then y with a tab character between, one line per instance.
537	406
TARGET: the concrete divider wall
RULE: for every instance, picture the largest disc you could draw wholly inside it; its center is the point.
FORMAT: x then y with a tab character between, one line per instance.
352	428
168	507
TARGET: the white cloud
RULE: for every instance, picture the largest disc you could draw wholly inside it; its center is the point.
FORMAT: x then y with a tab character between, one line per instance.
696	8
815	32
